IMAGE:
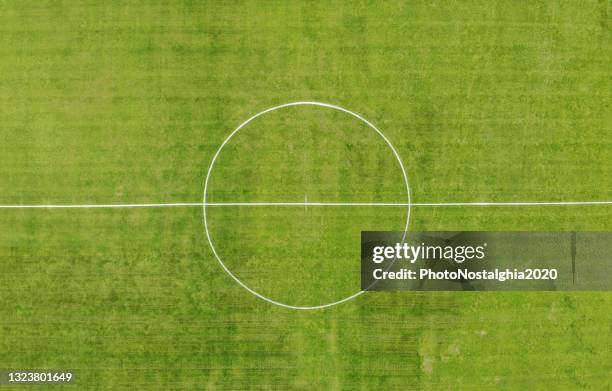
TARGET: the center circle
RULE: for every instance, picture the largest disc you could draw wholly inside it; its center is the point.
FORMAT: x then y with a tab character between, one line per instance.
206	190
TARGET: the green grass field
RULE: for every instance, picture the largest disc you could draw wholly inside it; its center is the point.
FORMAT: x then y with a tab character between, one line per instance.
116	103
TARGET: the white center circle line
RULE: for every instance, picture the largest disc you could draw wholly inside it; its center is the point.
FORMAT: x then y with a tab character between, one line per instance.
212	164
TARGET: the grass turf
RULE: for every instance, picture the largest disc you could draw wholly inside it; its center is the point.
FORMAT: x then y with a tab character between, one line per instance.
127	103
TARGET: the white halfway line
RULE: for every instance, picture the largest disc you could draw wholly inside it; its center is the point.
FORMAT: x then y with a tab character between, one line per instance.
305	204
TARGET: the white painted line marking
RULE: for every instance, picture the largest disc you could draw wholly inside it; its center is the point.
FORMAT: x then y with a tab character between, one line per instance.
212	204
229	204
227	140
526	203
99	206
